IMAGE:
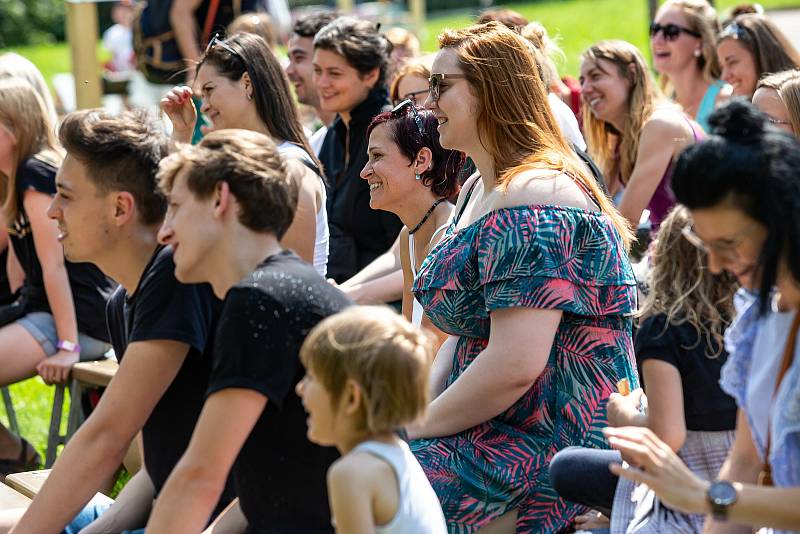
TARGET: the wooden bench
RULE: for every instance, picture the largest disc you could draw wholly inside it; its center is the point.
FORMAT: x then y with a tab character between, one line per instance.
28	483
11	498
93	374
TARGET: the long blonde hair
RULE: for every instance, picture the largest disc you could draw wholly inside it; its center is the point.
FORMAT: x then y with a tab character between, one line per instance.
684	289
515	122
15	66
24	114
614	151
787	85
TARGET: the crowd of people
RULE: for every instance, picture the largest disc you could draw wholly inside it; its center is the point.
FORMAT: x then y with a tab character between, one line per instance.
589	287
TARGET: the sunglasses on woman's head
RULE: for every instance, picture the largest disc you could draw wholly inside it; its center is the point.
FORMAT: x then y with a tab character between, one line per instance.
733	30
216	41
400	109
671	31
435	82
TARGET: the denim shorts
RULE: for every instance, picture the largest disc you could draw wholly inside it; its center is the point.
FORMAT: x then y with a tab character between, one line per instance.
90	513
42	327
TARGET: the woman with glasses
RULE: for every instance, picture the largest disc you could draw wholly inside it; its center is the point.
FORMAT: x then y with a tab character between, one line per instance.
411	83
243	86
750	47
632	131
682	38
411	175
532	282
778	97
742	190
351	69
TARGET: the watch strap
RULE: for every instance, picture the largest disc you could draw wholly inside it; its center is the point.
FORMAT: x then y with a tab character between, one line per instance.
68	346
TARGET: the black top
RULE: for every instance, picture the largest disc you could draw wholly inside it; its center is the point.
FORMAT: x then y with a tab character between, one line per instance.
280	475
705	405
227	10
90	287
162	308
358	234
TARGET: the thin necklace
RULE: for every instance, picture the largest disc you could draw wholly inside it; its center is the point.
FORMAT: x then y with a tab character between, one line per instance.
425	217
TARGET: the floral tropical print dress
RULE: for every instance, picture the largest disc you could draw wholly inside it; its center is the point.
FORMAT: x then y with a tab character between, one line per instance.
546	257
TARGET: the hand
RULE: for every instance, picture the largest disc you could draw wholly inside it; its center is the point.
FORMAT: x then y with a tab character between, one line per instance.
653	462
179	108
55	369
623	410
591	520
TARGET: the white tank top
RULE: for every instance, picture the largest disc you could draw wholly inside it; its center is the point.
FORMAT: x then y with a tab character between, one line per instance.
418	510
416	307
322	237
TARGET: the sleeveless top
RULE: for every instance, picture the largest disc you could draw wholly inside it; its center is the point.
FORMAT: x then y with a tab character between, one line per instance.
322	236
706	106
418	508
416	309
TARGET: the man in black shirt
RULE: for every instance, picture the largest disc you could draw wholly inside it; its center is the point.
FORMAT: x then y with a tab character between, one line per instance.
229	204
108	211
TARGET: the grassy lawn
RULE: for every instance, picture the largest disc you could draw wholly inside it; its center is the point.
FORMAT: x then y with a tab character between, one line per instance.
33	401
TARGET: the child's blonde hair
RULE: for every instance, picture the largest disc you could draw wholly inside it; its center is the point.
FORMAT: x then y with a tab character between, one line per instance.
383	353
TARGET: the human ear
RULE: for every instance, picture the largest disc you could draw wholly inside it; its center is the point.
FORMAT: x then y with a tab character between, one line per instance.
222	198
352	397
124	207
248	85
424	160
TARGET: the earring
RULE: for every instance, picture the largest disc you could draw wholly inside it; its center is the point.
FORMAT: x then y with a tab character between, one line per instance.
249	97
698	53
418	176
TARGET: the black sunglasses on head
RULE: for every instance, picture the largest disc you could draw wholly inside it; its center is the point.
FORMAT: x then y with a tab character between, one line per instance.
400	109
671	31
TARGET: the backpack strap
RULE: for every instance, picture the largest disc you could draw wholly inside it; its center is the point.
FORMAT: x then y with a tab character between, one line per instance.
208	24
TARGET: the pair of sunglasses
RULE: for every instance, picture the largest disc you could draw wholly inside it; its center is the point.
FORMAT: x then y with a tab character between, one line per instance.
216	41
435	83
400	110
671	31
733	30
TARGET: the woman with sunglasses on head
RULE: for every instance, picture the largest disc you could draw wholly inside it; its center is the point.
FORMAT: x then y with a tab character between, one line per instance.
632	131
742	190
778	97
412	176
243	86
514	282
351	69
750	47
682	39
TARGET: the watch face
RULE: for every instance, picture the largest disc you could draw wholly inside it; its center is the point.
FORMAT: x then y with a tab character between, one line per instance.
722	493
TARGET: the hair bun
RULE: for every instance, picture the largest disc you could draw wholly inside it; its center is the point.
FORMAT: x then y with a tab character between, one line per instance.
737	119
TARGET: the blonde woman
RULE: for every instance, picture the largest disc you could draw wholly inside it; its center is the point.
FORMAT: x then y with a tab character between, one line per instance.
533	353
632	131
63	317
682	38
778	96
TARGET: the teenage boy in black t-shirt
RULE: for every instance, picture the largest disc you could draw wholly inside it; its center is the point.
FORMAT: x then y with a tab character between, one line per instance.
108	211
229	204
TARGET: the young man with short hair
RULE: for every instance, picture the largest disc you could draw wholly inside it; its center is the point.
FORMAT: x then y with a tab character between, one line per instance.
109	211
230	202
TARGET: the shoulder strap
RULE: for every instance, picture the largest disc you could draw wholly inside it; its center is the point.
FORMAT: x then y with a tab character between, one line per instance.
466	200
208	24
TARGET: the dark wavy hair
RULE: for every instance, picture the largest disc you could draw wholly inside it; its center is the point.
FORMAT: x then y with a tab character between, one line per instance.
274	103
360	43
753	166
443	175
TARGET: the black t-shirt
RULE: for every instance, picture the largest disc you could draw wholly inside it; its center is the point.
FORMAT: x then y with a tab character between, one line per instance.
358	233
280	475
162	308
705	405
90	287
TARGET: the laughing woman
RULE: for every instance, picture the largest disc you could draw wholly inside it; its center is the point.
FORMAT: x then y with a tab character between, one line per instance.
531	280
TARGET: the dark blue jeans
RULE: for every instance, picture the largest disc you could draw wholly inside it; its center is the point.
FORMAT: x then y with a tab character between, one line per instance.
581	475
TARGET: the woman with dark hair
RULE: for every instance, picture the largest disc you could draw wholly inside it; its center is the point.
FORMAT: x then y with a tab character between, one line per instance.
741	188
351	65
750	47
411	175
243	86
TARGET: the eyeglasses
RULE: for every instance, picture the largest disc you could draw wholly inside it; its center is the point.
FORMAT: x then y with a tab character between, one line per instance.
671	31
216	41
413	94
733	30
726	249
435	83
400	110
773	120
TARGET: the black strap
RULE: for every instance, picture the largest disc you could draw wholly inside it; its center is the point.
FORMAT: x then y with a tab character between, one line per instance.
466	200
311	166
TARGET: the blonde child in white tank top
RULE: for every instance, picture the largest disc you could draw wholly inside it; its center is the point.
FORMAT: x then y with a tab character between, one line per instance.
366	377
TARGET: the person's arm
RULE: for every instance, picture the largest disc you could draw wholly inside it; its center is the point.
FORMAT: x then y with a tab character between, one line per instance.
184	26
230	521
301	234
662	137
441	367
408	278
54	369
130	509
179	107
380	281
678	487
509	365
97	448
195	485
14	272
351	497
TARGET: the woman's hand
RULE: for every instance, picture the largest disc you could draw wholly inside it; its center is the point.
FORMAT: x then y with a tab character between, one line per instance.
652	462
179	108
623	410
55	369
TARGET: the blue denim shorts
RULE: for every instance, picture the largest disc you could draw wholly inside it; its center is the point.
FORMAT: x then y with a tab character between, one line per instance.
42	327
90	513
